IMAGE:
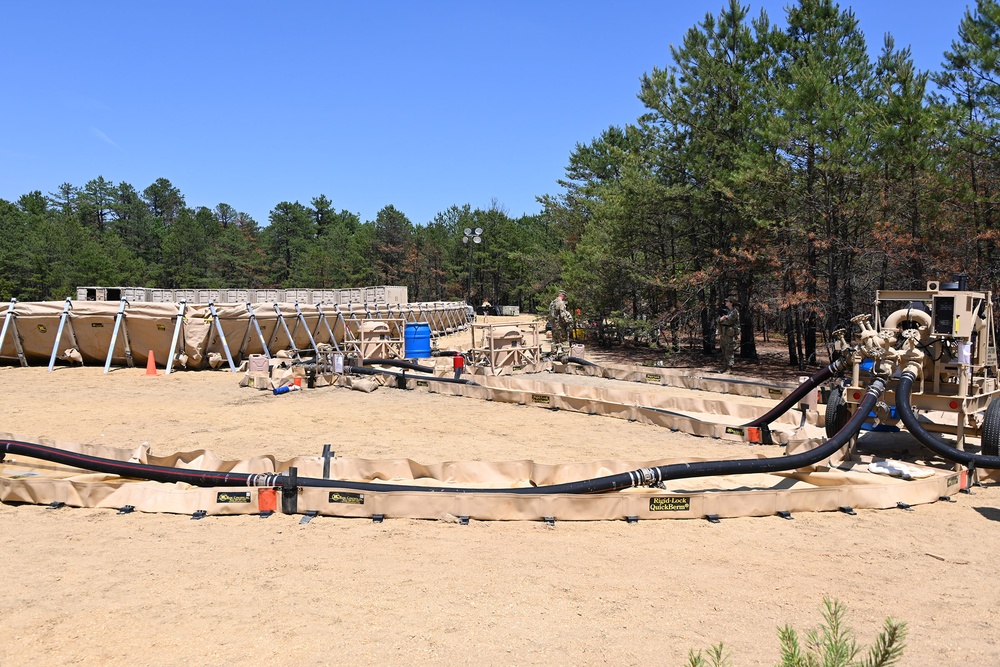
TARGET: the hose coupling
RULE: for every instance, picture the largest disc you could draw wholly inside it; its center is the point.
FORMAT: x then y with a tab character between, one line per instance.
264	479
913	367
645	476
882	413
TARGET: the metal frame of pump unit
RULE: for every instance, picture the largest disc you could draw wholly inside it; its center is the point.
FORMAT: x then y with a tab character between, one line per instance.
492	348
956	384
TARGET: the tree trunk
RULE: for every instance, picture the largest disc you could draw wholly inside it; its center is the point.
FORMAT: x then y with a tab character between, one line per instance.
799	338
793	359
748	344
707	325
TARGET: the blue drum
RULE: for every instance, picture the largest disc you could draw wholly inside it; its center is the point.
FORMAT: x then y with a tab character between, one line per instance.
417	340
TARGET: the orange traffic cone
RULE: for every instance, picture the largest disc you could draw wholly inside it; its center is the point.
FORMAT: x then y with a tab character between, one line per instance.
151	365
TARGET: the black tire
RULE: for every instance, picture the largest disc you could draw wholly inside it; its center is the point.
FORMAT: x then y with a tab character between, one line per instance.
991	429
837	414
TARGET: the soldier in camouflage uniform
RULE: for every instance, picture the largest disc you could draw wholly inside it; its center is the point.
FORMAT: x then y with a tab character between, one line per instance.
729	334
559	319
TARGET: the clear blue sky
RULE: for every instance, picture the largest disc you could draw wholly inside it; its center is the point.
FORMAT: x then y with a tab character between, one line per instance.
421	105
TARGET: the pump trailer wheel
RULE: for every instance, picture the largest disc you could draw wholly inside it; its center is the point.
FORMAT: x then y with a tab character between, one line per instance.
837	413
991	429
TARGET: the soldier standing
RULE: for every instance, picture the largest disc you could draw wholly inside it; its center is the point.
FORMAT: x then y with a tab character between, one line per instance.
729	334
559	319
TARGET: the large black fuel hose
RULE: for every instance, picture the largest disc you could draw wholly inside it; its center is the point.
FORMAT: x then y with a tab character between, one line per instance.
904	389
123	468
800	392
361	370
632	478
398	363
578	360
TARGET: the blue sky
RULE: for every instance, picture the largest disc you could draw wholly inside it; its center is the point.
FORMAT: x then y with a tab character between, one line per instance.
418	105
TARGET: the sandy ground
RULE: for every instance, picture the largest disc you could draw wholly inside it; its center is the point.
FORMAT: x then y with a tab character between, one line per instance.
91	587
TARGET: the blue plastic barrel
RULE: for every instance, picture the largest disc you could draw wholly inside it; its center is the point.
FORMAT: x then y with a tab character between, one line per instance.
417	340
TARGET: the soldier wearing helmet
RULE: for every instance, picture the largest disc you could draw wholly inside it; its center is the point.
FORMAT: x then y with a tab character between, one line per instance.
559	319
729	333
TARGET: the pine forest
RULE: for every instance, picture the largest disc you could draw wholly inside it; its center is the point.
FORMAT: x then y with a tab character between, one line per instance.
799	168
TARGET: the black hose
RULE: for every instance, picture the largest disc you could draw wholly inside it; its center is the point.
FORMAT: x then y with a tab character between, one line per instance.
780	463
445	353
578	360
125	468
398	363
633	478
789	401
361	370
903	390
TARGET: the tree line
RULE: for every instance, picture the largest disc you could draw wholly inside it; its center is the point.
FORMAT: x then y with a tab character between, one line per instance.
112	234
786	166
792	169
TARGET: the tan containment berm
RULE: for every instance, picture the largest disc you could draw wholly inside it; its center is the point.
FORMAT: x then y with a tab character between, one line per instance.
816	488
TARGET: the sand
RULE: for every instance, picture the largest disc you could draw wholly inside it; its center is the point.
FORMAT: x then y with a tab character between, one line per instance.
91	587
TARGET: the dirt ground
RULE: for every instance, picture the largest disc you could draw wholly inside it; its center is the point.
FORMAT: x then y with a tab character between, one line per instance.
91	587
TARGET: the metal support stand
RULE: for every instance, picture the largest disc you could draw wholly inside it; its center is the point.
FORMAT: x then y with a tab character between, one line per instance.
329	330
972	478
64	320
447	324
290	491
222	334
291	340
300	318
10	322
120	324
454	322
253	325
349	336
430	321
182	306
327	455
